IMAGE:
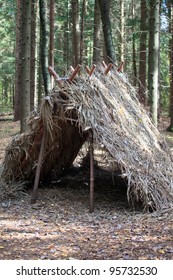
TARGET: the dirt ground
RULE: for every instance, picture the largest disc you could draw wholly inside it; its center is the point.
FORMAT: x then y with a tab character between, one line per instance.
59	225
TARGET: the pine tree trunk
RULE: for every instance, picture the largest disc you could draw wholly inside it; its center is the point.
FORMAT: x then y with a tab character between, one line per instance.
154	58
33	53
76	31
82	30
66	41
26	60
18	50
142	56
52	31
170	128
122	26
107	31
45	45
134	47
97	27
40	76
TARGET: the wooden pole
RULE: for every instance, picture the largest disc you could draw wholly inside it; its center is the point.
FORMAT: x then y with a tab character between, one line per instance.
91	173
90	72
104	64
53	73
38	170
120	68
110	65
75	72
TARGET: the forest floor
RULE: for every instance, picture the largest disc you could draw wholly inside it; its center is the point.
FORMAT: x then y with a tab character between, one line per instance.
59	225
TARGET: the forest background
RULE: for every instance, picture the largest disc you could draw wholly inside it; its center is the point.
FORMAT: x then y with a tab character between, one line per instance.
35	34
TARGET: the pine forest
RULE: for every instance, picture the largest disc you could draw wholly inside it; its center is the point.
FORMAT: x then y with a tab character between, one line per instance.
86	123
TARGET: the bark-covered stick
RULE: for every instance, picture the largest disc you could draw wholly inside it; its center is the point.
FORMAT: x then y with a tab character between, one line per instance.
38	170
91	174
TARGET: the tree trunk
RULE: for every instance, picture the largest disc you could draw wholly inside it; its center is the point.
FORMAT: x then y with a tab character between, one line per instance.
26	63
107	31
17	98
76	31
40	76
45	45
134	47
170	128
52	43
33	53
142	55
67	36
97	27
122	25
154	58
82	30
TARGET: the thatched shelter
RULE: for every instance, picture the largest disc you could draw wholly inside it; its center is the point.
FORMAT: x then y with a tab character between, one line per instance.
105	104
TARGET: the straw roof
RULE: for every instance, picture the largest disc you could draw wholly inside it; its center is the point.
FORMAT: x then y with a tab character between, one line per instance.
106	104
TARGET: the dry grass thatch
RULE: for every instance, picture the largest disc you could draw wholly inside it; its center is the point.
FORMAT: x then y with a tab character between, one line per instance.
108	105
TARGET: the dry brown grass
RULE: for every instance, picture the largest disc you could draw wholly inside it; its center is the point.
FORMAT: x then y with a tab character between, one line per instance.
108	106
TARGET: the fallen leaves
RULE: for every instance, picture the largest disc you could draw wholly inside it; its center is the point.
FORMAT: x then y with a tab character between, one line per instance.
58	230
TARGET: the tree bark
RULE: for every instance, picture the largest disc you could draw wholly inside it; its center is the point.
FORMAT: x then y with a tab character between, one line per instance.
122	33
134	47
170	128
33	53
25	65
76	31
18	50
82	30
97	27
52	43
154	58
142	55
107	31
44	45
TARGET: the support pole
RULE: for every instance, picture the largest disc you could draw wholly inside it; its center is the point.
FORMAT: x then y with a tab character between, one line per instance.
54	74
75	72
38	170
91	173
120	68
110	65
90	71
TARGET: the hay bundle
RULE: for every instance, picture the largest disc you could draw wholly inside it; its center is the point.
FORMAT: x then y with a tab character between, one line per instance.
107	105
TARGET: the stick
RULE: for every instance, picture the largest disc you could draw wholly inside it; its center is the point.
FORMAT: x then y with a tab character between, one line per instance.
90	71
120	68
54	74
110	65
87	69
104	64
38	169
91	174
75	72
71	69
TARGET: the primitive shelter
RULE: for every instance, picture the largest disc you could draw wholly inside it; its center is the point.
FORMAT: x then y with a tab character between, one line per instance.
106	104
